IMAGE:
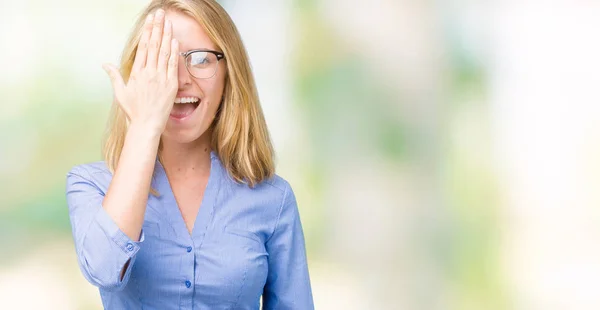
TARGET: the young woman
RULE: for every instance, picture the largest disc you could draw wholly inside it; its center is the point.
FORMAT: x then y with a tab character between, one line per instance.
186	211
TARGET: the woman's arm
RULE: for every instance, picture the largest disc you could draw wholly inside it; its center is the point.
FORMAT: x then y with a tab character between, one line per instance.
147	98
106	228
288	282
104	252
127	194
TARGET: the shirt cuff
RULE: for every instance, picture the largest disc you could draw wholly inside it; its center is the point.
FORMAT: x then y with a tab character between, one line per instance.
110	228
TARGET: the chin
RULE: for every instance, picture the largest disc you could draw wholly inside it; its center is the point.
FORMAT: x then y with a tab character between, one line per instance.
183	136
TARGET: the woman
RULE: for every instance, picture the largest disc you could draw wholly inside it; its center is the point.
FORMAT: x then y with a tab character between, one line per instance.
186	211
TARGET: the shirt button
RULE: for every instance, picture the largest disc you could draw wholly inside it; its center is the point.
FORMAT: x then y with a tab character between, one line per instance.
188	284
189	249
129	247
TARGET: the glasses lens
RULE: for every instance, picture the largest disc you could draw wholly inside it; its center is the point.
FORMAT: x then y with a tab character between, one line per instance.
202	65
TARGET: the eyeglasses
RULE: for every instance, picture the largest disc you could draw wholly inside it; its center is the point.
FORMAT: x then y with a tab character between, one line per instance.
201	63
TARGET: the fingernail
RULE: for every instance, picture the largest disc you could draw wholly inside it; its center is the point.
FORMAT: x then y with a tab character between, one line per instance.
149	18
160	13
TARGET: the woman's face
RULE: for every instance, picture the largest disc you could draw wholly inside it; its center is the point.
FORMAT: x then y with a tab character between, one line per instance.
189	121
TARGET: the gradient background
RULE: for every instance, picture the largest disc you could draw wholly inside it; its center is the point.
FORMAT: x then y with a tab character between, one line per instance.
444	154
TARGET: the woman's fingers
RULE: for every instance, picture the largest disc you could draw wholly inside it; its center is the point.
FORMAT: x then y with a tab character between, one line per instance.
118	86
173	61
116	80
165	49
155	40
154	73
142	49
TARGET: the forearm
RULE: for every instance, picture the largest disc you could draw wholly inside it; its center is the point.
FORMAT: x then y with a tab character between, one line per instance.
127	195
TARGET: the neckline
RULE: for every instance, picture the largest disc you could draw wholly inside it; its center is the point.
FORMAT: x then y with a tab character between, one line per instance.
206	209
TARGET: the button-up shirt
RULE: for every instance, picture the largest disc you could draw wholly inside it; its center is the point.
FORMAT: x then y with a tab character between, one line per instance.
246	243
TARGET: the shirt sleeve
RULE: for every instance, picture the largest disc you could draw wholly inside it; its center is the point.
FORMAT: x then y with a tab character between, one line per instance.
102	248
288	283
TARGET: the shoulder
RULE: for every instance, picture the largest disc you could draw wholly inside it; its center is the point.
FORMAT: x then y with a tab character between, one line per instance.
94	173
285	206
277	183
274	191
280	191
278	186
90	168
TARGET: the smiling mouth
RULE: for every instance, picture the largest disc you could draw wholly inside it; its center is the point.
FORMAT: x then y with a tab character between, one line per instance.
184	107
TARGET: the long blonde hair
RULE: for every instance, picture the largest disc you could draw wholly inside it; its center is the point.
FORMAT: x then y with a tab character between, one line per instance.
240	136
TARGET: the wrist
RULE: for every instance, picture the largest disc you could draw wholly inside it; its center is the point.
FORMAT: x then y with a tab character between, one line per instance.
145	130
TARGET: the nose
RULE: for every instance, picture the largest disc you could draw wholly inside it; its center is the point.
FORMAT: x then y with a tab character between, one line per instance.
183	76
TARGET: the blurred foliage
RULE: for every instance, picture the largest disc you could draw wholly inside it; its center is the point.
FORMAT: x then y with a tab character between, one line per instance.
346	111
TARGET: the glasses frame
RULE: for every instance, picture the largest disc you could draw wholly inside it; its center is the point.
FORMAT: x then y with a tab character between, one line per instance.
219	56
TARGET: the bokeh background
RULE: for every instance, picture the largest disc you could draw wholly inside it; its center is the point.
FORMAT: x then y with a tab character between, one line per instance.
444	154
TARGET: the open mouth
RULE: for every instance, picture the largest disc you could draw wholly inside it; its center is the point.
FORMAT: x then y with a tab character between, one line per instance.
184	107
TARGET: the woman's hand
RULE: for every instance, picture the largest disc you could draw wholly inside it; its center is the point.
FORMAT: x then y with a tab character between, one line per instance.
149	95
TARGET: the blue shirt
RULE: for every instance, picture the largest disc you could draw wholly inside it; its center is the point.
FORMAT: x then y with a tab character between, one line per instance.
246	242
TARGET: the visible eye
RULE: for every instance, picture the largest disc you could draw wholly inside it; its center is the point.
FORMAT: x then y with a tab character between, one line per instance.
201	59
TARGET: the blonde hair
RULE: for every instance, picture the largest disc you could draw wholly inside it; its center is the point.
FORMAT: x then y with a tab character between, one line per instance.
239	131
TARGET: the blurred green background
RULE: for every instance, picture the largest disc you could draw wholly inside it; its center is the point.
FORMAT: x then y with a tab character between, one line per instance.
444	154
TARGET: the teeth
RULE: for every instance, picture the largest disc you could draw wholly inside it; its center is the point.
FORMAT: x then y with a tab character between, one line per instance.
184	100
